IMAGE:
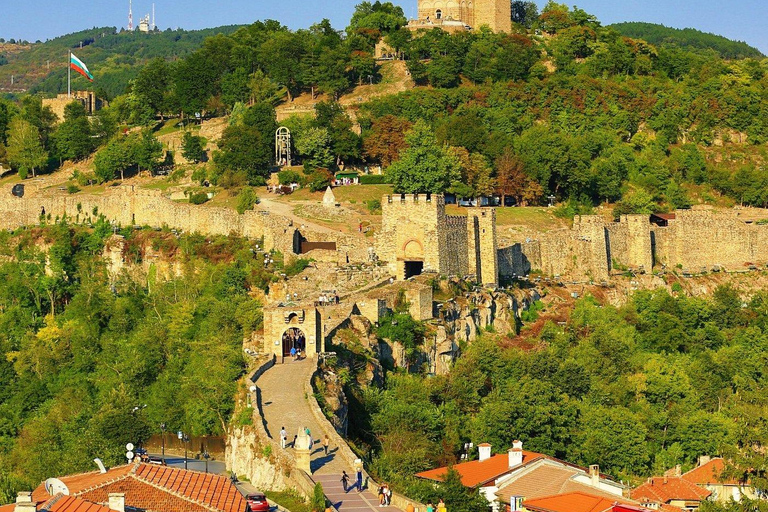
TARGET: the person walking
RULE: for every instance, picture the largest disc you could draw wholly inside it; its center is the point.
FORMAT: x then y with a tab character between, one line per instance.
380	495
359	482
345	480
293	353
430	506
326	442
441	506
283	437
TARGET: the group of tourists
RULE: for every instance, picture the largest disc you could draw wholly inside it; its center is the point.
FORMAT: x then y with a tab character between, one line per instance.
327	299
358	481
385	495
440	506
295	339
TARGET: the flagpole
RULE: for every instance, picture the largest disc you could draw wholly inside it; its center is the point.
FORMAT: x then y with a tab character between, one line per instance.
69	75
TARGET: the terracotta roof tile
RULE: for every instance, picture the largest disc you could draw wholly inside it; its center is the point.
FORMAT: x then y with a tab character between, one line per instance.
155	488
7	508
573	502
476	473
61	503
709	473
665	489
82	481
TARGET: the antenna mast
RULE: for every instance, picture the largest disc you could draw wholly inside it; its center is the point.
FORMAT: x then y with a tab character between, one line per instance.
153	17
130	15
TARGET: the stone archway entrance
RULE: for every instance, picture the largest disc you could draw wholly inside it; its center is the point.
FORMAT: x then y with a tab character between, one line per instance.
412	258
293	337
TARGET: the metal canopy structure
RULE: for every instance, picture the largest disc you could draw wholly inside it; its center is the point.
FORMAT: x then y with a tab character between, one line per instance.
283	147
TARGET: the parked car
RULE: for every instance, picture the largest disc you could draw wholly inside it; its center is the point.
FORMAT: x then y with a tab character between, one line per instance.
154	459
257	502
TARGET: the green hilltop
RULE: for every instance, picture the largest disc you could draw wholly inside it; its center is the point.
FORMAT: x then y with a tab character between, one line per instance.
688	38
114	56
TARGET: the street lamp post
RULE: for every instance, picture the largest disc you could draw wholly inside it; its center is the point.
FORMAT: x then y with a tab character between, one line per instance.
162	429
206	456
184	438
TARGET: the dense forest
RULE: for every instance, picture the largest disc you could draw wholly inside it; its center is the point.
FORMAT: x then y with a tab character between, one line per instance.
688	38
84	351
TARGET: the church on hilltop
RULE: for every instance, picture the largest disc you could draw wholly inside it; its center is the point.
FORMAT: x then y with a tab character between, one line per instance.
458	15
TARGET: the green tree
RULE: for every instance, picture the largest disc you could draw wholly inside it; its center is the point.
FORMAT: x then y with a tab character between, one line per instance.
116	157
246	200
424	166
25	149
73	137
147	151
192	147
524	13
242	150
152	85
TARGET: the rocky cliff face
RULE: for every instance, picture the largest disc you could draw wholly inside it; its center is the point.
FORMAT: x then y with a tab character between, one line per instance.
246	456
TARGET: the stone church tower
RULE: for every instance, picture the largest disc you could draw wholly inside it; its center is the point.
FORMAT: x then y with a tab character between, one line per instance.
496	14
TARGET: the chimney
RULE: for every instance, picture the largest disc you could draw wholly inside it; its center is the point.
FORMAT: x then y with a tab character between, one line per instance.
24	503
516	454
485	451
117	501
594	475
704	459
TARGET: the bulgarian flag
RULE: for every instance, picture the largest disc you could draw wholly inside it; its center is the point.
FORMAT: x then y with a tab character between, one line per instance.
80	67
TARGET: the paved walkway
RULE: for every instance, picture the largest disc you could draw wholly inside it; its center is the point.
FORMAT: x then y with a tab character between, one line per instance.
281	390
284	405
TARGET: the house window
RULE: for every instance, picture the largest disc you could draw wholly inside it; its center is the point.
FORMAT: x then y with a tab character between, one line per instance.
439	14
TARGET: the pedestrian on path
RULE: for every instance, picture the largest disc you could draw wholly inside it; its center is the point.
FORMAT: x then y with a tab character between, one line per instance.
387	495
283	437
441	506
430	506
293	353
326	442
345	481
359	482
380	495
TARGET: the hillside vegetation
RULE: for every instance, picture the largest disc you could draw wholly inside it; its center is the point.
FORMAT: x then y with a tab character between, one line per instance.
115	56
688	38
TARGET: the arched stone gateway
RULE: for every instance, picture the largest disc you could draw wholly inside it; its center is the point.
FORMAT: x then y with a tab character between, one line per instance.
294	338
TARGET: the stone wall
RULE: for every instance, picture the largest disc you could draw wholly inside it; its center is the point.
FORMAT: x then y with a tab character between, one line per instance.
496	14
453	256
128	205
694	240
703	239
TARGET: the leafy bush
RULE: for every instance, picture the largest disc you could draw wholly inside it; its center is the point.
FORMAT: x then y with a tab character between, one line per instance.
245	417
572	208
318	498
246	200
289	176
320	179
72	189
199	175
297	267
373	179
198	198
374	206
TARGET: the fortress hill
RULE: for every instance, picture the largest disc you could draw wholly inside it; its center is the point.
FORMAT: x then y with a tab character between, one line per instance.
417	236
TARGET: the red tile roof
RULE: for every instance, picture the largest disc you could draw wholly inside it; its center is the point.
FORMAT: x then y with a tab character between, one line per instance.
666	489
545	478
61	503
709	473
7	508
155	488
573	502
476	473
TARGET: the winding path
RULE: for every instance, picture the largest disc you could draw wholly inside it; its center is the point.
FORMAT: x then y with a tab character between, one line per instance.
284	404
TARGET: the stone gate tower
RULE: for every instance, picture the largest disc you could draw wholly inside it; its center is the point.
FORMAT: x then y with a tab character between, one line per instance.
496	14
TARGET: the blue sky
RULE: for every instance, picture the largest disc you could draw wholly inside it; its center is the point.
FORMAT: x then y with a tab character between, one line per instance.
42	19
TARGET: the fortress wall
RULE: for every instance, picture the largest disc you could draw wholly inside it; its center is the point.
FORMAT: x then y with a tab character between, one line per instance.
453	253
130	206
696	239
426	234
483	221
519	259
629	242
